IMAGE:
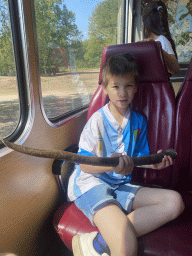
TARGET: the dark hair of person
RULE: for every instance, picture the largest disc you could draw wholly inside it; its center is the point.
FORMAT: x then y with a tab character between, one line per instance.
119	65
155	19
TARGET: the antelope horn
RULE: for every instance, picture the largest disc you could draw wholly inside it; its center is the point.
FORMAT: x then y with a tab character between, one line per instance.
90	160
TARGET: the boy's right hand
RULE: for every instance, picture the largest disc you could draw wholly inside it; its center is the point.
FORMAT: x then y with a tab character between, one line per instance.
125	165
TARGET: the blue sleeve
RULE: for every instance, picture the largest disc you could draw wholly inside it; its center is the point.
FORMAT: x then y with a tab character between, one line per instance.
85	152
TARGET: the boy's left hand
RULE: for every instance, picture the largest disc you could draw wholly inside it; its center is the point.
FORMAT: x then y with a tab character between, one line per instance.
166	161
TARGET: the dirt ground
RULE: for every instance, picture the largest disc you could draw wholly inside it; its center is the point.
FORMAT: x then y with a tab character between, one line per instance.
68	83
61	94
62	84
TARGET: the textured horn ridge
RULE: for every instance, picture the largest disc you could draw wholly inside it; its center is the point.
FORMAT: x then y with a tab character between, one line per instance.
154	158
90	160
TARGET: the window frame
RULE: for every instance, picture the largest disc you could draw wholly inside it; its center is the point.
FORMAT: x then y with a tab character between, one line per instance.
20	51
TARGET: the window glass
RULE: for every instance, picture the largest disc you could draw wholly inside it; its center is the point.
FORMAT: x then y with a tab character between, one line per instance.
9	100
71	35
180	25
180	22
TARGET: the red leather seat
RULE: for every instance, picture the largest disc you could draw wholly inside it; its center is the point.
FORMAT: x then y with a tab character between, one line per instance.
182	172
175	238
155	99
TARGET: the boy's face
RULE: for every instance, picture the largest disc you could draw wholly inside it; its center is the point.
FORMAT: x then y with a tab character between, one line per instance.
121	91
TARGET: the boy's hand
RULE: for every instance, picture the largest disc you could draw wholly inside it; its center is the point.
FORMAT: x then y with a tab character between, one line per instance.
166	161
125	165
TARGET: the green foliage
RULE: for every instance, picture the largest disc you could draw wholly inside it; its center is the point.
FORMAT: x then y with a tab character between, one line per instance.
102	31
60	44
184	38
57	33
7	66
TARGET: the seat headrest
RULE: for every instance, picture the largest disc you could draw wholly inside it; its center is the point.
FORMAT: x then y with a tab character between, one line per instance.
148	56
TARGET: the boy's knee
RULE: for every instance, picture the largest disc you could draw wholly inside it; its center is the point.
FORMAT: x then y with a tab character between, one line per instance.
174	204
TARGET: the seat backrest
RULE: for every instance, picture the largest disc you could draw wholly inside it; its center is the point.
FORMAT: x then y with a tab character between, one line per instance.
182	171
154	99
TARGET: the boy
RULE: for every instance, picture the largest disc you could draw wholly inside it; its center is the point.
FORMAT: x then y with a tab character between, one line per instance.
121	211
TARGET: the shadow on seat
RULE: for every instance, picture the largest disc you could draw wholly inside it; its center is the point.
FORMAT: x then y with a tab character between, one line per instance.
156	100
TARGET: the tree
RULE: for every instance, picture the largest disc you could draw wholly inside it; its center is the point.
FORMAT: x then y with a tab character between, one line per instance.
180	20
102	30
56	33
7	65
6	53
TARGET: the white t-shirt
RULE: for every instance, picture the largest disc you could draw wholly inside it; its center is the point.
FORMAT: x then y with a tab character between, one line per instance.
166	45
101	137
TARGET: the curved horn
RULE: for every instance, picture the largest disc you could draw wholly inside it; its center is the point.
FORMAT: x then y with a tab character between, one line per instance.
90	160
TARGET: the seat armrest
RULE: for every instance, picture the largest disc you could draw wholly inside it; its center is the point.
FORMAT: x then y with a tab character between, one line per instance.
62	169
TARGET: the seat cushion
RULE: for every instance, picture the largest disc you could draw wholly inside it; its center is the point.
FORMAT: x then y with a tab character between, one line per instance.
174	238
69	221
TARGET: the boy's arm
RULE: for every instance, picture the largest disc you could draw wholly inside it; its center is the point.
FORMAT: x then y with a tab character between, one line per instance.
95	169
124	167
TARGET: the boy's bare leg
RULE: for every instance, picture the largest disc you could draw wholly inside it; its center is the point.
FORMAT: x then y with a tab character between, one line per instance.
153	208
117	230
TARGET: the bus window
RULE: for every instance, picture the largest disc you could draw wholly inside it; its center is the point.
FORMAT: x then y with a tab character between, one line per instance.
180	20
180	23
71	35
9	99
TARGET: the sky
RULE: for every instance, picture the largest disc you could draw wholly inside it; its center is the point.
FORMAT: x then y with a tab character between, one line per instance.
83	10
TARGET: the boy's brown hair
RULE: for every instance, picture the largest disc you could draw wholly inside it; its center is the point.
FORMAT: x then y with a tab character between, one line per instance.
119	65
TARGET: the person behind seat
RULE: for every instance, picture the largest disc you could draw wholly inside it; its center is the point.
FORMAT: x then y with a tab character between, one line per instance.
155	20
120	210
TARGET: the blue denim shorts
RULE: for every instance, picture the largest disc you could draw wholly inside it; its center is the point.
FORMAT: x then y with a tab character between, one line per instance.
101	195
